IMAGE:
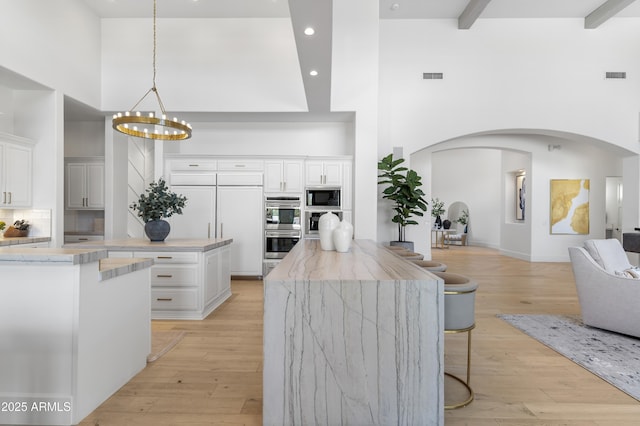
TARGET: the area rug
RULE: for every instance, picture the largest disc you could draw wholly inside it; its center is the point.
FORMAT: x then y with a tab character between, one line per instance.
611	356
162	341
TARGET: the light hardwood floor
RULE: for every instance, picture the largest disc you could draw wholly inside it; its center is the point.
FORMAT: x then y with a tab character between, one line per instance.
214	375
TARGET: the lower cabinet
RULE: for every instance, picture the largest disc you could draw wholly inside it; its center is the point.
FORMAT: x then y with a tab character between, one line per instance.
186	285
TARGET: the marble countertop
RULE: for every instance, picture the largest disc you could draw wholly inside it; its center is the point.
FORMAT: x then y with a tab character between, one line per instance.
50	255
114	267
143	244
365	260
4	242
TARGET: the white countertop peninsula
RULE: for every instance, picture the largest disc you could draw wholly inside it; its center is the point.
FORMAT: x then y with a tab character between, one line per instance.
75	327
6	242
352	338
190	278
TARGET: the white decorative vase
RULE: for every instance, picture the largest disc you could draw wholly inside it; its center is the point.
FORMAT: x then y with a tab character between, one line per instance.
327	223
342	236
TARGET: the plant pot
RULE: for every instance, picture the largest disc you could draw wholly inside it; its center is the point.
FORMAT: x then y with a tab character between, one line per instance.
157	230
446	224
406	244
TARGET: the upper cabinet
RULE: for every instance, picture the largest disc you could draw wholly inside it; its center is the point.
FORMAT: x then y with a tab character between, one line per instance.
16	172
84	184
283	176
323	173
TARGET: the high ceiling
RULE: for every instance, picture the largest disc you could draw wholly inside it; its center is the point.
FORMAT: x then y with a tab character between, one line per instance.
389	9
316	53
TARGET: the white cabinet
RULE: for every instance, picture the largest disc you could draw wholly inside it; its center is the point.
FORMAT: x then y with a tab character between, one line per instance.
283	176
240	217
84	184
325	172
15	175
186	285
198	218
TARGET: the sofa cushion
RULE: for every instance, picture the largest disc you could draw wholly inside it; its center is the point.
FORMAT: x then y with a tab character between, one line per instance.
609	254
633	272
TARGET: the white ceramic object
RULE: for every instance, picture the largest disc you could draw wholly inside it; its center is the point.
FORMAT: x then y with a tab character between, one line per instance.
327	223
342	236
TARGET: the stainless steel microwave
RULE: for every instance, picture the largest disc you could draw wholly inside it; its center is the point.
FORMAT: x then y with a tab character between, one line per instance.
325	198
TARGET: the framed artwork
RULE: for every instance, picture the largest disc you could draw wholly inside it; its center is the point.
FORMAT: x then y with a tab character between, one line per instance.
521	192
569	206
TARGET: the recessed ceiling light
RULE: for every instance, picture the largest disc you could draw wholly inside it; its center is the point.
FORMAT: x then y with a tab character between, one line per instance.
309	31
313	73
395	6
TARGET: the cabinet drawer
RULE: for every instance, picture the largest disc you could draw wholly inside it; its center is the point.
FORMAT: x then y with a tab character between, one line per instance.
240	165
193	165
174	299
174	276
192	179
168	257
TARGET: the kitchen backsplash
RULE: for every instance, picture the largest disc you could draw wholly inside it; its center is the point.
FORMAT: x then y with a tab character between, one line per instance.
40	220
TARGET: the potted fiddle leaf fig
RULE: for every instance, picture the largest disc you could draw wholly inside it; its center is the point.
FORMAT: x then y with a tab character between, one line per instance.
403	188
156	204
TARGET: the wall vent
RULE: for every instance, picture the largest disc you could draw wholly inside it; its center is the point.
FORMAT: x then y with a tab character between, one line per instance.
610	74
432	76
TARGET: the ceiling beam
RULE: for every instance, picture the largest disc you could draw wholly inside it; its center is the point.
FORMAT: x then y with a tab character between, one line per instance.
471	13
605	11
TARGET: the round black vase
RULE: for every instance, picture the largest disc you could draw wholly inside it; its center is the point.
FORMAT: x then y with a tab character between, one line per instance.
157	230
446	224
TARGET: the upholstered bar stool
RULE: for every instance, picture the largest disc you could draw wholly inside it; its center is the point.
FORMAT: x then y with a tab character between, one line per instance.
431	265
459	317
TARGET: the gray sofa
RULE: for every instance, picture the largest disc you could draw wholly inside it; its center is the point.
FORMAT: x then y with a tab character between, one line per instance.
608	291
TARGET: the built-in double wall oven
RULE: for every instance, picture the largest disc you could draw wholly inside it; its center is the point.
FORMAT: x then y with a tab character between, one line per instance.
283	225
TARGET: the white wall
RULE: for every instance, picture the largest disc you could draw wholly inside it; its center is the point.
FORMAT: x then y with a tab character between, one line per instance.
264	138
250	65
56	43
84	139
508	74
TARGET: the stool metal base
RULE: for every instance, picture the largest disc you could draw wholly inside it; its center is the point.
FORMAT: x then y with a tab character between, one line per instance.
464	383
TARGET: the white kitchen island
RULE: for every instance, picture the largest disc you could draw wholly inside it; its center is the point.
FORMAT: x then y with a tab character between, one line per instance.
74	328
352	338
190	278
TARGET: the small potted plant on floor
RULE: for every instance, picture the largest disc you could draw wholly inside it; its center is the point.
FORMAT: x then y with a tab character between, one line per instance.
156	204
403	188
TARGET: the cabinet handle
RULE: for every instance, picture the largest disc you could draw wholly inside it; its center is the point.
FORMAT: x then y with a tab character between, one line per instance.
83	239
164	276
4	198
10	193
164	299
209	230
194	165
240	165
221	231
164	257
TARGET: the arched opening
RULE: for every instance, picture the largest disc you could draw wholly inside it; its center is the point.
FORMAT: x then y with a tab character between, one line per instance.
483	170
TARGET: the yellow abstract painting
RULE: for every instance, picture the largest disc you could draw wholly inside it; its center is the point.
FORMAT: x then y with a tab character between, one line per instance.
569	206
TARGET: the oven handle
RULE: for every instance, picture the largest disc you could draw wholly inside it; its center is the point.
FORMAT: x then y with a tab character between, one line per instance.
292	234
282	205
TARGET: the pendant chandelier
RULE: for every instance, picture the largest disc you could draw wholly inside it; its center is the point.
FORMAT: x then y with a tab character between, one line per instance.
150	126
